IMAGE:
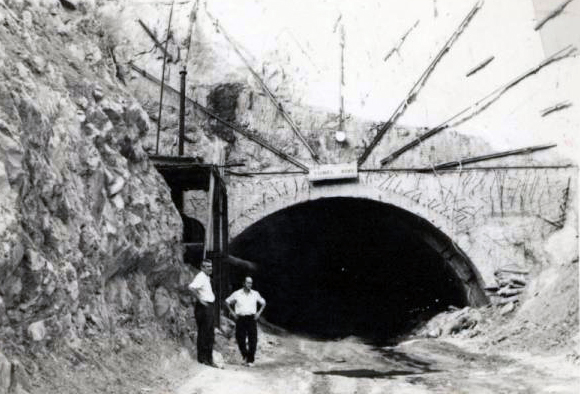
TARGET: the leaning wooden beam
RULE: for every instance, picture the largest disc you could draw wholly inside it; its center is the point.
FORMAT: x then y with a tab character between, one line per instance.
418	85
557	107
564	204
497	155
479	105
479	66
192	20
492	97
400	42
265	88
237	129
155	40
552	14
414	143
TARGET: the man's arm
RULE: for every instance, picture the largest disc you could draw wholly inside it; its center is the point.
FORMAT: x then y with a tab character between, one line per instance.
232	312
262	303
230	301
193	287
196	294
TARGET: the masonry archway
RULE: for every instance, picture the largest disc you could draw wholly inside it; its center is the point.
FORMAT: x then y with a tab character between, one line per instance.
340	266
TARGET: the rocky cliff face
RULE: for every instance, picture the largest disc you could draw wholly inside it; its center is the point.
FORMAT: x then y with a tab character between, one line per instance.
89	236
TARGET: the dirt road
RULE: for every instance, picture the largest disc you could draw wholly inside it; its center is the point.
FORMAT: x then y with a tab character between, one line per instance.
293	364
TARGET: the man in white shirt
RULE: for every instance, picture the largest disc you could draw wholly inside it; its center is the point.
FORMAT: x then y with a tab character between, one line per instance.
246	314
204	311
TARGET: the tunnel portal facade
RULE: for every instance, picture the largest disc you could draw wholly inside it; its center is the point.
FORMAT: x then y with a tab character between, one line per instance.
492	216
389	249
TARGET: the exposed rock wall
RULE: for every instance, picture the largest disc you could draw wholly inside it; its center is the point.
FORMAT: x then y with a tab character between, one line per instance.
89	236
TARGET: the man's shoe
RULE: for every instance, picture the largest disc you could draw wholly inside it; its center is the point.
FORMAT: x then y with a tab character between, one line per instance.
213	365
250	365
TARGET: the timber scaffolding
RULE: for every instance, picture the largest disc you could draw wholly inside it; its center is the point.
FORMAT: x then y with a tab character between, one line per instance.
183	174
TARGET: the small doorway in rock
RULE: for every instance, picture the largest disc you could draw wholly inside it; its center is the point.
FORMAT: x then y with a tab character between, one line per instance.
193	240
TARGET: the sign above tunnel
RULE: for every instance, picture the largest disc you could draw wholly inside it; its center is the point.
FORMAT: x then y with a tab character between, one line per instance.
327	172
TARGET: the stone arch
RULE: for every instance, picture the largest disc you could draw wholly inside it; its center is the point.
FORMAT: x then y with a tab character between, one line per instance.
481	216
432	231
394	251
275	195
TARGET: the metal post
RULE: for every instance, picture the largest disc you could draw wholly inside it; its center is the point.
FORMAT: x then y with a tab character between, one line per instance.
183	73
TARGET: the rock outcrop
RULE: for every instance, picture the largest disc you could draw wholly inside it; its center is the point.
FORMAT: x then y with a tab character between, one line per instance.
89	236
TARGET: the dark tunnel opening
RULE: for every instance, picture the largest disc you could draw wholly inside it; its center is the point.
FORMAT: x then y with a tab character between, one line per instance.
336	267
193	239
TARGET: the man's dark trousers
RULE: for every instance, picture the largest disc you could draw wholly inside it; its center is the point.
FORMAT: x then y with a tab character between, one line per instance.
205	333
246	328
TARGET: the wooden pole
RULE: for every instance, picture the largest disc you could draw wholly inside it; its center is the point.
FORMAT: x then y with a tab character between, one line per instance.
163	79
552	14
255	138
418	85
397	47
490	156
480	105
226	243
268	92
155	40
479	66
209	225
216	248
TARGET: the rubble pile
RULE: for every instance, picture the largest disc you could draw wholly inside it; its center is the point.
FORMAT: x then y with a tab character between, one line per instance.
510	286
450	322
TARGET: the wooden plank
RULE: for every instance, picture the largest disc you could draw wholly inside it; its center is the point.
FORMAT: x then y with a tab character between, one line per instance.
155	40
556	107
480	66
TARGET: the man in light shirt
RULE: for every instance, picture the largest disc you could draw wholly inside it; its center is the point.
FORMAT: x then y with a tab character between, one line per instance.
204	311
245	302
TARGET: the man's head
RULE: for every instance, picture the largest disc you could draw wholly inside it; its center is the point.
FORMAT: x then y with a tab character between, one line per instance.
207	266
248	282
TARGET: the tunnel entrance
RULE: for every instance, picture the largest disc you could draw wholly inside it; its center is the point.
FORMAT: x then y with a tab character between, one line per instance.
336	267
